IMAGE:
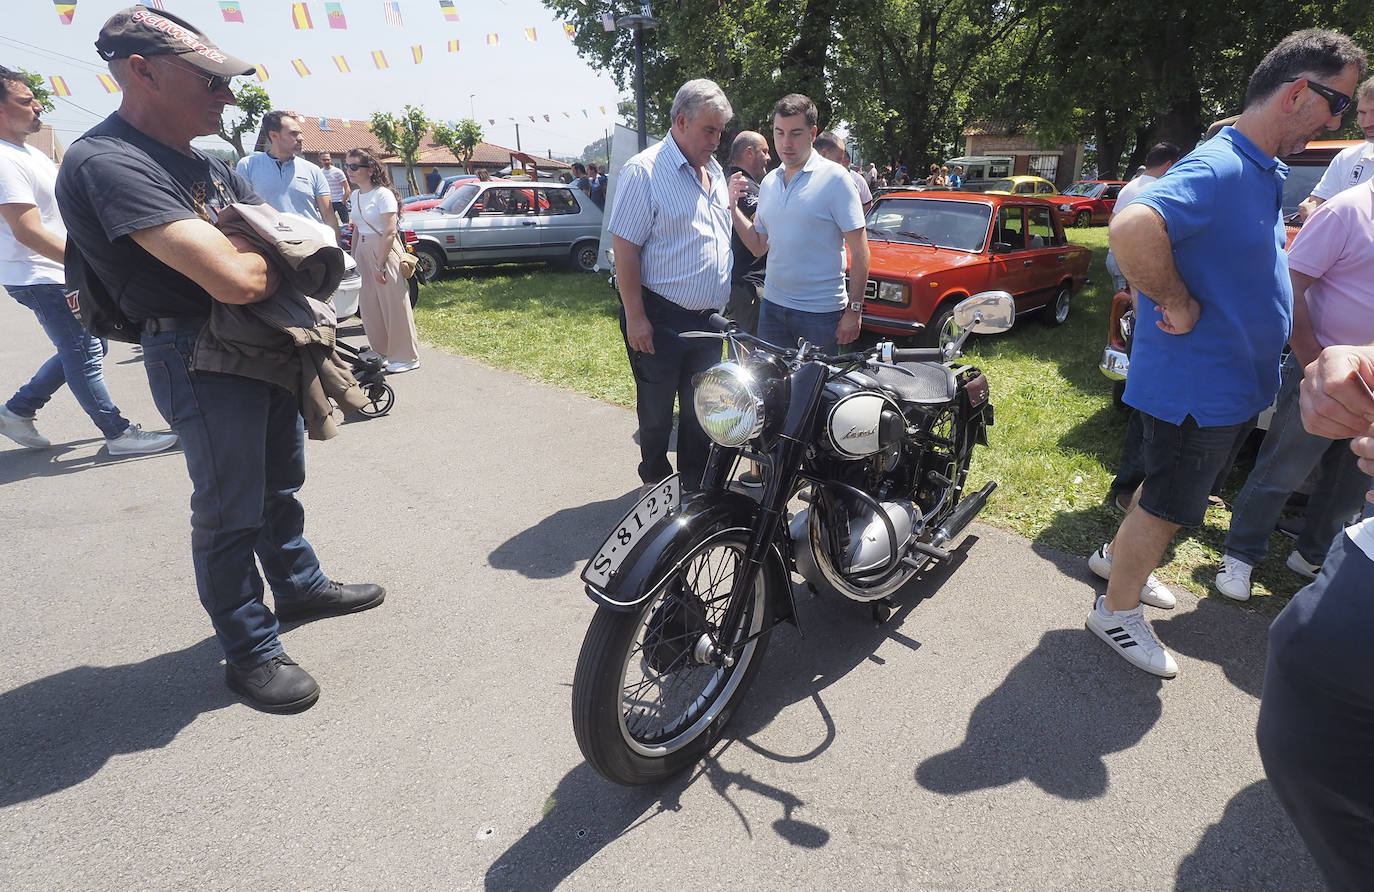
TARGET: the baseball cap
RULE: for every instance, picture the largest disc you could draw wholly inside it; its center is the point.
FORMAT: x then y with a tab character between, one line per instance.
150	32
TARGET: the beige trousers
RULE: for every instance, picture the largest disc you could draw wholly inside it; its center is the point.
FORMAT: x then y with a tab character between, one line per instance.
385	307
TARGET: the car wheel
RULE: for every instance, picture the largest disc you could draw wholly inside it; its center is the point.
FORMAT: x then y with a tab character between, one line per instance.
1083	219
941	329
583	257
1057	310
429	263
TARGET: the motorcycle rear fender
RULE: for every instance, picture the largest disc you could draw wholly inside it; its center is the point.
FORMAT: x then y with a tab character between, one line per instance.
660	554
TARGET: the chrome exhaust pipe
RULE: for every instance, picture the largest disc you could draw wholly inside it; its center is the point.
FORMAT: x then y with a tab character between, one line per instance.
963	515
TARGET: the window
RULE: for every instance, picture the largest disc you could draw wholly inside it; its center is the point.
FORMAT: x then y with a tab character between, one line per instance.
1041	229
557	201
1046	166
1011	226
1044	188
1111	192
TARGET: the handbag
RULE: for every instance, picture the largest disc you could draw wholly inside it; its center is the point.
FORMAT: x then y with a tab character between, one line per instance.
408	260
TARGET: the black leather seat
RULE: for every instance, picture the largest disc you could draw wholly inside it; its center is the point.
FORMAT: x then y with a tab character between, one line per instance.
929	384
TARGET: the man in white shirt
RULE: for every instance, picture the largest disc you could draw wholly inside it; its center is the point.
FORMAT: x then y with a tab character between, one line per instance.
32	246
338	186
284	180
1352	166
832	148
1157	162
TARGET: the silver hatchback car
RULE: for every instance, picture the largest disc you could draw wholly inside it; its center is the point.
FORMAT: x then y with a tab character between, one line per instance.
504	221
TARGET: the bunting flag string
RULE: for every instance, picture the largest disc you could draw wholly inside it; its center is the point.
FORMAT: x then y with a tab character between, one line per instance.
66	11
493	39
261	73
453	46
569	30
334	12
108	83
379	59
447	8
155	4
231	11
300	17
529	35
391	11
417	52
342	64
59	85
301	69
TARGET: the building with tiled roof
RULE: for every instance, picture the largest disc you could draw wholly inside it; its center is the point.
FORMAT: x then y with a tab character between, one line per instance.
46	141
1000	137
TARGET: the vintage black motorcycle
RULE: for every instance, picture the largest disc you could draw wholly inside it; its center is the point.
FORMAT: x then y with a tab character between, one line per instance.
864	458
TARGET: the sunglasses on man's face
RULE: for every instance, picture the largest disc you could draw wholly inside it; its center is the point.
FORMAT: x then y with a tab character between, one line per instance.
354	166
213	82
1337	101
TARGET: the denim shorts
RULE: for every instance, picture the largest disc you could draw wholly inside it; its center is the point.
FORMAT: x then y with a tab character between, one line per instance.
1181	462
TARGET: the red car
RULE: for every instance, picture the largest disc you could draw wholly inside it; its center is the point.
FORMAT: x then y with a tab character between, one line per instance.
1087	202
930	250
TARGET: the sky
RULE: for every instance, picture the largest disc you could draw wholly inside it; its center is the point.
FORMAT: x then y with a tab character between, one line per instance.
508	82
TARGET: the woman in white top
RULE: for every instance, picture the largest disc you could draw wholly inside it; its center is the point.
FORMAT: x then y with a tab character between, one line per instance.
384	298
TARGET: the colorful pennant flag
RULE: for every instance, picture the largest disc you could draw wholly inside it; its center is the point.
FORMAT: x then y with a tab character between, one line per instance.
260	72
491	121
569	30
324	123
155	4
531	119
493	39
108	83
529	35
300	17
584	113
301	69
607	21
65	11
334	12
379	59
391	11
417	53
231	11
59	85
603	110
345	123
447	8
342	64
453	46
546	119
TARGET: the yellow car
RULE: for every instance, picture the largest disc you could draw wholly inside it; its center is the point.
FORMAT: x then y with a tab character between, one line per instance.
1024	186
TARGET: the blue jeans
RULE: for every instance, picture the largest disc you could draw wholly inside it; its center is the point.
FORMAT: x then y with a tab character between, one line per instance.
78	362
781	326
664	375
244	443
1287	456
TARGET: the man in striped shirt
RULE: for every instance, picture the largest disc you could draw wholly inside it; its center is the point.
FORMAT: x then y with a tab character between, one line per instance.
670	228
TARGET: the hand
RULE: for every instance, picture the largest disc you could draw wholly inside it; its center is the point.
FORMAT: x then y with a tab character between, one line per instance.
381	276
1180	319
640	334
739	185
848	329
1335	400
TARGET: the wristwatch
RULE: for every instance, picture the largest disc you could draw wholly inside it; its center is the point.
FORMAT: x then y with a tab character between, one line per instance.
856	306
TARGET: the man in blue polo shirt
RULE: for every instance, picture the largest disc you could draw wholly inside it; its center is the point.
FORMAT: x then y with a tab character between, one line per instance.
285	180
1204	248
808	211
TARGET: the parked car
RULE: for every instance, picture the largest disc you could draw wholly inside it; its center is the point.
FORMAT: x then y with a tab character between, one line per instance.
503	222
1088	201
449	182
929	250
422	202
981	167
1024	185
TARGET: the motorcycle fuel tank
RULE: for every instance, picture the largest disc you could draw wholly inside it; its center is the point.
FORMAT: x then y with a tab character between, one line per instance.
855	422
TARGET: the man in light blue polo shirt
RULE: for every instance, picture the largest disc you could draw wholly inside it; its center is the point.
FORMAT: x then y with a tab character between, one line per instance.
808	212
284	180
1204	246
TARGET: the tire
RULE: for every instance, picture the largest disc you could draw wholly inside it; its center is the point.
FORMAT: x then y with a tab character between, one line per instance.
583	257
380	400
1083	219
644	704
941	329
429	263
1057	310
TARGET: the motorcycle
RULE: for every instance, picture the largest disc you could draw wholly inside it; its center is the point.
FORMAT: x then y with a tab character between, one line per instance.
864	458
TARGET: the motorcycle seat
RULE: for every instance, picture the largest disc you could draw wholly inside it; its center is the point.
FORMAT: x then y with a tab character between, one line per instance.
929	384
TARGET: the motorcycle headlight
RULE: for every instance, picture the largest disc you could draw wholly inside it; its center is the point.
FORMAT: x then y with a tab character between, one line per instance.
729	410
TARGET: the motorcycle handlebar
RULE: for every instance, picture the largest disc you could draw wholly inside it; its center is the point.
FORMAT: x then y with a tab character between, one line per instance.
904	354
719	322
918	354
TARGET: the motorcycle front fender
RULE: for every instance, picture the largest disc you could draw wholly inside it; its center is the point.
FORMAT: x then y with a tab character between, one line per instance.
702	513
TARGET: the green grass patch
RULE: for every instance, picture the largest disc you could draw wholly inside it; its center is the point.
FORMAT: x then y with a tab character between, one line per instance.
1053	448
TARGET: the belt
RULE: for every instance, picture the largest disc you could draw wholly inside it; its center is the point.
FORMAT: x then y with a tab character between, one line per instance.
668	303
173	323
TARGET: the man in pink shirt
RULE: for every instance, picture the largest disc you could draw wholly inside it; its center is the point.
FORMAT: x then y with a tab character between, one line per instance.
1331	265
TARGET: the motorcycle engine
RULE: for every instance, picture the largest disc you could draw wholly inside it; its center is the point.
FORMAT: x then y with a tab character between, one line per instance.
864	545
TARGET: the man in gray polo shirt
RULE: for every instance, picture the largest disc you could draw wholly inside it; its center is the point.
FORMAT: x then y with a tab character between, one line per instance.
808	212
284	179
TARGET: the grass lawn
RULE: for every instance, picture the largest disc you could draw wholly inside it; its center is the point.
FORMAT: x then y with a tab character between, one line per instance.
1053	448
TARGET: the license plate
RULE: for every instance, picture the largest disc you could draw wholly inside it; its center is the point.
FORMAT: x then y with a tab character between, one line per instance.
655	506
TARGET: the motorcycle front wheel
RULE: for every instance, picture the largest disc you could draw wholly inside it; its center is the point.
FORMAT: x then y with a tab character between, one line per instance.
652	693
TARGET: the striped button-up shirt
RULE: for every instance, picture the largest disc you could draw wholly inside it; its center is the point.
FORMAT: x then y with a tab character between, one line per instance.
682	229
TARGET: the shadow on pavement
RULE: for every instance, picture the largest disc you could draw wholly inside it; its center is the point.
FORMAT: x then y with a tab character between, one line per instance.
586	813
1050	724
58	731
559	543
62	458
1218	632
1227	858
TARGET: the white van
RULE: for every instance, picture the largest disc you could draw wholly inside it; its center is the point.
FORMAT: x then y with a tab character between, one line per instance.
982	167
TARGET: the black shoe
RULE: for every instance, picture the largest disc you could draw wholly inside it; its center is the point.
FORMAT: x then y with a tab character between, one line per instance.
336	600
279	685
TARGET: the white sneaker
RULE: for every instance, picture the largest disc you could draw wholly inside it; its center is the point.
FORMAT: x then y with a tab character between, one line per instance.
1299	565
21	430
1154	592
1233	579
1127	633
395	368
136	441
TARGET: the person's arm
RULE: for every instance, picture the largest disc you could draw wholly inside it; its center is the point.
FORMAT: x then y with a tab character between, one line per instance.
388	239
27	225
755	241
230	268
1308	205
857	242
639	332
1304	339
1140	243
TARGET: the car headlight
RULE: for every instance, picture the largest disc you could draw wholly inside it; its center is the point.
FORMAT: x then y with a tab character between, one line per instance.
729	410
1066	207
892	292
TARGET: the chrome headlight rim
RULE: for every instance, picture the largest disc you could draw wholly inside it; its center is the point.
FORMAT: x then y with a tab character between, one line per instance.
727	404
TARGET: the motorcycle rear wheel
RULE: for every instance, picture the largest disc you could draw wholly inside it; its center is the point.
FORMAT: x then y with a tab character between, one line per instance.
647	701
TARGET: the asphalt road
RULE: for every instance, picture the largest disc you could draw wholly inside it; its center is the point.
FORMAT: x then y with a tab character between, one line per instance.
981	740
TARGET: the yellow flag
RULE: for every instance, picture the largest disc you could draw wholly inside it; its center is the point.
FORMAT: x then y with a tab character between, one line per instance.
260	72
108	83
529	35
453	46
59	86
379	59
300	17
299	65
417	52
342	64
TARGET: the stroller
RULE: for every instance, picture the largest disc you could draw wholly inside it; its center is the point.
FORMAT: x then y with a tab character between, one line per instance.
367	366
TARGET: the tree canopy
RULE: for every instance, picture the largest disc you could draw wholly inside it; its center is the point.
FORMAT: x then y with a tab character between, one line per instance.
252	103
402	134
461	139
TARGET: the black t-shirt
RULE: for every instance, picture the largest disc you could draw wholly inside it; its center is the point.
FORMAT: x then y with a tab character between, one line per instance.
747	267
107	190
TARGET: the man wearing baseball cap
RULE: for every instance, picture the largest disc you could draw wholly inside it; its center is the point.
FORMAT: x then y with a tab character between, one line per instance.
139	203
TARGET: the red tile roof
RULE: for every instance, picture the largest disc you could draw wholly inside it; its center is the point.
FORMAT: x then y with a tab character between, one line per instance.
337	139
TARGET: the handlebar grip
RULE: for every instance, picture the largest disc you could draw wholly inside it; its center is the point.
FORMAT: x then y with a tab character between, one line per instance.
719	322
918	354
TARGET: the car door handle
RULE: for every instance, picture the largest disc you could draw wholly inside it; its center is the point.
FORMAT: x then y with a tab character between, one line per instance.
1061	258
1027	262
529	223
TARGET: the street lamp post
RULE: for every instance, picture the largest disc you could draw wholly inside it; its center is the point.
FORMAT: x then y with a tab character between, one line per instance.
472	109
640	23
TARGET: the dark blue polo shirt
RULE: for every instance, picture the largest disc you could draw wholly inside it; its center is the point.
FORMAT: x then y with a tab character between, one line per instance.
1221	206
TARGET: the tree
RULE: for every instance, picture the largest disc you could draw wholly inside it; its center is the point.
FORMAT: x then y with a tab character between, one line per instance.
253	102
39	88
401	135
598	152
461	140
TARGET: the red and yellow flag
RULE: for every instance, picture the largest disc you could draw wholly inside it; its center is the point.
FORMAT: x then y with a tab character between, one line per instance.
493	39
453	46
108	83
379	59
65	11
300	17
342	64
569	30
59	86
301	69
529	35
260	72
417	53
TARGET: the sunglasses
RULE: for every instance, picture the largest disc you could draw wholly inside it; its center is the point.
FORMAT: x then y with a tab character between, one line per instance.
213	82
1337	101
355	166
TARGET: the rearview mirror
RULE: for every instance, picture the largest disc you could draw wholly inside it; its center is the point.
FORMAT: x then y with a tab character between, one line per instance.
988	312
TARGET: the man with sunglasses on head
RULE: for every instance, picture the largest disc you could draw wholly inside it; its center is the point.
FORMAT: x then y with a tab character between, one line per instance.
139	203
285	180
1204	249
